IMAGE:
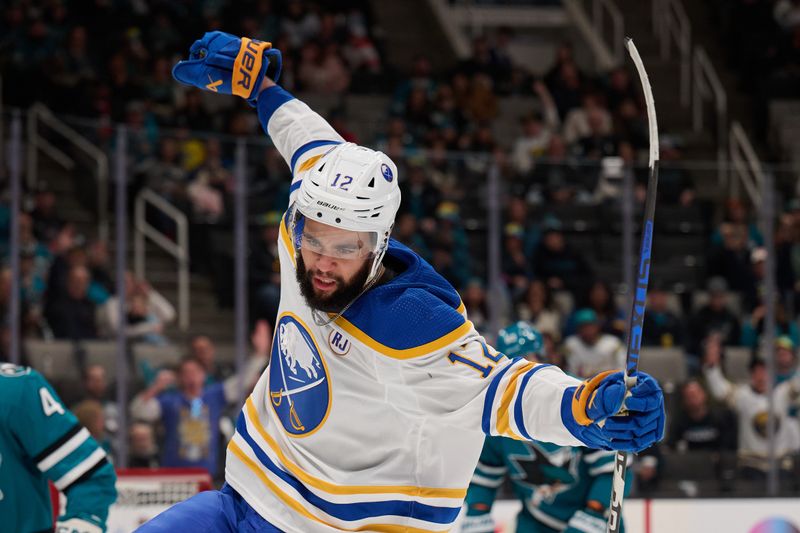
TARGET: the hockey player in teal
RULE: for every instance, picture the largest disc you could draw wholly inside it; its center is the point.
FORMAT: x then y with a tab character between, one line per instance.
562	488
41	440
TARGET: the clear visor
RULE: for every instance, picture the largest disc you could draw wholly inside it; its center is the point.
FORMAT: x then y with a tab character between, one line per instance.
330	241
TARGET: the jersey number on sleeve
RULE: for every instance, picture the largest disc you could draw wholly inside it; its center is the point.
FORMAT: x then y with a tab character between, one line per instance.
49	404
483	369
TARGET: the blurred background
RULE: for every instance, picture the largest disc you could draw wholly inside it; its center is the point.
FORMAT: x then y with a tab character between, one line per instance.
520	135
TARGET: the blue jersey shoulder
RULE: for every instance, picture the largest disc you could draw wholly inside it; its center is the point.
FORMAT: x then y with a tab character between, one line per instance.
416	308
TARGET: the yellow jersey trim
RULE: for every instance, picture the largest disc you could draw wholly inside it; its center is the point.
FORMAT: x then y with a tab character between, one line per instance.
308	479
406	353
308	163
287	240
503	423
301	510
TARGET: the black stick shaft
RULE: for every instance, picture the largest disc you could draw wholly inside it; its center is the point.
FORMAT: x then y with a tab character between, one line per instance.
640	291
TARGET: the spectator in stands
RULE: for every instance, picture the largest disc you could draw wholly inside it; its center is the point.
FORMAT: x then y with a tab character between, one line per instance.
192	113
98	261
753	326
577	122
532	144
142	325
785	359
647	469
46	222
565	81
714	316
515	264
730	256
165	175
561	267
600	141
95	388
662	326
517	213
787	257
190	414
420	197
299	24
738	215
700	425
539	309
203	350
750	403
481	102
600	299
32	291
559	175
675	184
620	87
322	70
590	350
90	415
142	448
474	298
151	312
211	184
406	231
72	316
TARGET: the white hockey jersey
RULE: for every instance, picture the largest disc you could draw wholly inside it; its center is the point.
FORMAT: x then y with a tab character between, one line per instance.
376	421
752	409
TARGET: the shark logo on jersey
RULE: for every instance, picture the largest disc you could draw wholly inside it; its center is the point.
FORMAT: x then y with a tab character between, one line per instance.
299	388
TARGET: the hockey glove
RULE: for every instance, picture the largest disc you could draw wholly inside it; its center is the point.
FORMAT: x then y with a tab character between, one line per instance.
221	62
586	521
603	416
76	525
477	524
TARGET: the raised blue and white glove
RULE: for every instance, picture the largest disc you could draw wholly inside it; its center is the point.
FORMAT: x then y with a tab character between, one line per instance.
603	416
221	62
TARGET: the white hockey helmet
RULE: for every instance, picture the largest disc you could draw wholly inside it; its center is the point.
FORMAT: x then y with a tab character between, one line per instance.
352	188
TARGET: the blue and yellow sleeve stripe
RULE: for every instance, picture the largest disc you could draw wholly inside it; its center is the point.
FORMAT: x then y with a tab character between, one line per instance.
503	408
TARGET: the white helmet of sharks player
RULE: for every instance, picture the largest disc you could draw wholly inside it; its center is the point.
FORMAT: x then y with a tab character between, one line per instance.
352	188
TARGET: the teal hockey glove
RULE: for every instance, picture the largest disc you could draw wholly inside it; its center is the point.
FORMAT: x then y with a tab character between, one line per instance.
221	62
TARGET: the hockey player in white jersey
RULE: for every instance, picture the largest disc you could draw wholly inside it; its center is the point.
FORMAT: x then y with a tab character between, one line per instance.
372	413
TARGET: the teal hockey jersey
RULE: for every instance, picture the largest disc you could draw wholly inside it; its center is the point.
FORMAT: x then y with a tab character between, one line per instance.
553	482
41	440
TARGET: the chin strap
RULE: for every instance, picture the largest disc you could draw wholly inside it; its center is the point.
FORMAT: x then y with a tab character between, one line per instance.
320	317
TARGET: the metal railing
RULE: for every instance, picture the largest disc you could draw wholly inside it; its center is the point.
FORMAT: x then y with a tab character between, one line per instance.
616	43
179	250
707	87
671	26
745	165
39	114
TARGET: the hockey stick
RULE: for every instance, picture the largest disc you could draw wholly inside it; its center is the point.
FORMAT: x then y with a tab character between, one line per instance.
642	277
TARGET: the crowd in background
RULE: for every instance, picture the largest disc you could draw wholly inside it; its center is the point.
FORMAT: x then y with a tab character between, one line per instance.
114	67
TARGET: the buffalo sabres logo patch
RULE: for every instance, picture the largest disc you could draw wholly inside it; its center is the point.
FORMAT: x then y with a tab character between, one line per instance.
299	388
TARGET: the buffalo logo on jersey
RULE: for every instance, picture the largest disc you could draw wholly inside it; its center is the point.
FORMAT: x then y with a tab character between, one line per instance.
299	387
